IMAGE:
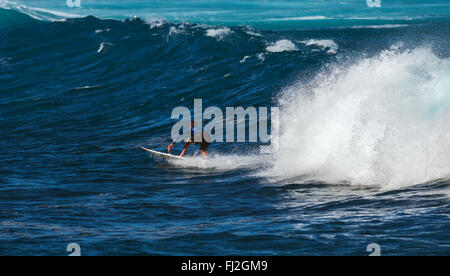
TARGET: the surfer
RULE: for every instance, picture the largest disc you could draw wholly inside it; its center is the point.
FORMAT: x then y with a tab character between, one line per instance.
204	144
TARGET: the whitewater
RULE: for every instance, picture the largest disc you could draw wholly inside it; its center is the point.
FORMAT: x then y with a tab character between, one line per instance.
381	120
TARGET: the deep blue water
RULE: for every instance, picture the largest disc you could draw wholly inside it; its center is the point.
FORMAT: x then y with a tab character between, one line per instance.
364	153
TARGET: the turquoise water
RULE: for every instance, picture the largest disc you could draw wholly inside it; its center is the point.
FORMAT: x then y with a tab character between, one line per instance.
259	14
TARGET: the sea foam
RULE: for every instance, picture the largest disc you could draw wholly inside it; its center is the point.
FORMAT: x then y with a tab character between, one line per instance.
329	45
218	33
381	121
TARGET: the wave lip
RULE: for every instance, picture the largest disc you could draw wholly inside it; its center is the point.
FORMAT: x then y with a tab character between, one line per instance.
104	46
37	13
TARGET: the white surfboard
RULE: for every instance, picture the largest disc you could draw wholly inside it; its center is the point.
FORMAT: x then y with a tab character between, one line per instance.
162	155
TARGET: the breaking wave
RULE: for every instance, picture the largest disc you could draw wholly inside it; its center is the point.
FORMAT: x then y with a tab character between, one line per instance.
381	121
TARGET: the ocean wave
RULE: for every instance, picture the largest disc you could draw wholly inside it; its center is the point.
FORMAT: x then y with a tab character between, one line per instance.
87	87
281	46
329	45
243	71
37	13
219	33
156	23
285	16
104	46
261	57
174	31
382	121
223	162
4	60
10	18
386	26
250	31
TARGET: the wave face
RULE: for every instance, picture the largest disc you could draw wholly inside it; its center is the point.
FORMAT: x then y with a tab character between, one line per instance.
364	106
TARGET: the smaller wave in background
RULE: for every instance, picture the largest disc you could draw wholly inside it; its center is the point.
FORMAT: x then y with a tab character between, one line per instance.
33	12
329	45
10	18
281	46
218	162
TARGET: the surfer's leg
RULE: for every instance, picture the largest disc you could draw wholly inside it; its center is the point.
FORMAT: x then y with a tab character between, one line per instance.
204	148
186	146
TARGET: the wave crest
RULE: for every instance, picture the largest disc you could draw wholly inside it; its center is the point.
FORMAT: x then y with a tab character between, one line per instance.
37	13
283	45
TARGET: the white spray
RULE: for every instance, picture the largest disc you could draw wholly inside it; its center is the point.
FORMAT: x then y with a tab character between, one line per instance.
382	121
